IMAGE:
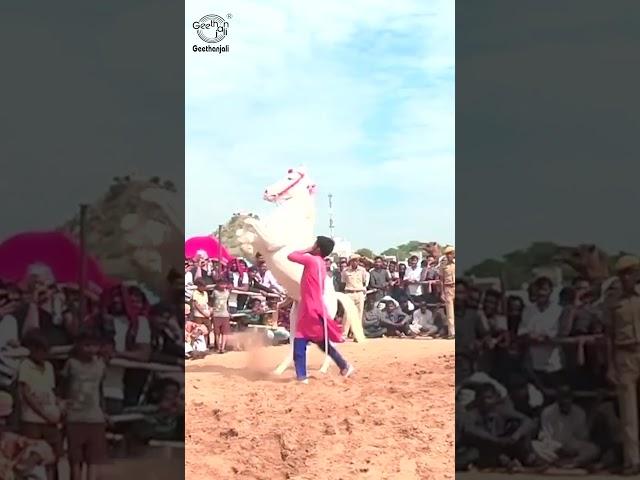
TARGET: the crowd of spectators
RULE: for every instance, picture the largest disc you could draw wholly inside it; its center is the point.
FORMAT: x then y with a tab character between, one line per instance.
224	299
79	391
536	375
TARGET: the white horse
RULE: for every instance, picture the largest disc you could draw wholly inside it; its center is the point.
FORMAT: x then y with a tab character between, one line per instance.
289	228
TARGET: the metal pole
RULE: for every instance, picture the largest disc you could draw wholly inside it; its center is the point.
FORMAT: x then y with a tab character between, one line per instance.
331	215
219	268
82	284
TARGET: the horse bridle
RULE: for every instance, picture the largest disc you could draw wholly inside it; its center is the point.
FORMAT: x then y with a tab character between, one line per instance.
277	196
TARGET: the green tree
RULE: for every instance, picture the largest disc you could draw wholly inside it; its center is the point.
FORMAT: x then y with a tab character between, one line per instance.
365	252
403	251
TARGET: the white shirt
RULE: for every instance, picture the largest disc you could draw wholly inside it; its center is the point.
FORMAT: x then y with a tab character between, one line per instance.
545	357
188	285
269	281
237	283
113	386
564	429
413	274
8	330
422	319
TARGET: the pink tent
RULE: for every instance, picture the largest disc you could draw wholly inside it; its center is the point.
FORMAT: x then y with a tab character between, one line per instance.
209	245
57	250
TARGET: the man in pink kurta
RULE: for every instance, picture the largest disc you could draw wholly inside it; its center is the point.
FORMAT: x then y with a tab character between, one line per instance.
314	324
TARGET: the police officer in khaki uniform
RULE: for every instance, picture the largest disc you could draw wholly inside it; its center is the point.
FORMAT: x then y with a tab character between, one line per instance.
448	279
623	321
355	279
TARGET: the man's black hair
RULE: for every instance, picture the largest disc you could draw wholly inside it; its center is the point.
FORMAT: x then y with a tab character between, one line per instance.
492	293
378	258
542	281
325	244
413	257
199	282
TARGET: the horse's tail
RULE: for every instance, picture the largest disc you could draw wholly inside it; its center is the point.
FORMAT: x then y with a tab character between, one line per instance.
351	320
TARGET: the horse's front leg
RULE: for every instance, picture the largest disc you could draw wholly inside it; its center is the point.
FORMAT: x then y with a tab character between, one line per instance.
261	230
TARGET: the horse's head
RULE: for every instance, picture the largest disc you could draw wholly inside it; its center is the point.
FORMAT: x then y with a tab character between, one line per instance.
296	182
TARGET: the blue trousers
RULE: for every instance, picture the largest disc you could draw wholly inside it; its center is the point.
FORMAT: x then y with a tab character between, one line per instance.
300	356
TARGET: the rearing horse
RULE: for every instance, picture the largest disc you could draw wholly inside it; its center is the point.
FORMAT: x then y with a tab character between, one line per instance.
290	228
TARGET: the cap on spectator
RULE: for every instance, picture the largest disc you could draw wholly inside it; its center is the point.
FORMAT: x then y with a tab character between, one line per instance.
6	404
448	249
355	256
627	262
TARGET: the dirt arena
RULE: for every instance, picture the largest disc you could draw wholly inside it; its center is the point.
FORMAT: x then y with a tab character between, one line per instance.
394	419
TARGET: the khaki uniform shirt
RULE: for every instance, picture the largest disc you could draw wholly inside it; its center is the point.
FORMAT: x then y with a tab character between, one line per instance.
354	280
448	276
624	321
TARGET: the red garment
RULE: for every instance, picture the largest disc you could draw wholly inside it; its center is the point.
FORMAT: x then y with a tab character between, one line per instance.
311	308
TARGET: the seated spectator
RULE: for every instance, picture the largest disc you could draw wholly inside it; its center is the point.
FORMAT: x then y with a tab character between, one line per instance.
195	344
422	322
396	321
166	422
373	320
277	334
565	430
21	457
41	409
524	396
86	421
499	435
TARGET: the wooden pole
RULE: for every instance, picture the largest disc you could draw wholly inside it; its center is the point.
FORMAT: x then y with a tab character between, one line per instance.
219	268
82	284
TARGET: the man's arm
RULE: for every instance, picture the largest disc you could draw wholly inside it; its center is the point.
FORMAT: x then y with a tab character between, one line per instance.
302	257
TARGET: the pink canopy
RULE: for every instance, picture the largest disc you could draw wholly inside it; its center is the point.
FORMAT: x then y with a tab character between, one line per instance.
56	250
209	245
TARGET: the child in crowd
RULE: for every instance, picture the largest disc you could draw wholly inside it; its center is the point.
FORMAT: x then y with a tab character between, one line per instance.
200	305
221	316
195	343
21	457
41	409
86	421
167	422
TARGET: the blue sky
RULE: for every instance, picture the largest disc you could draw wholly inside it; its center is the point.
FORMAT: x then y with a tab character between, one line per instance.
361	93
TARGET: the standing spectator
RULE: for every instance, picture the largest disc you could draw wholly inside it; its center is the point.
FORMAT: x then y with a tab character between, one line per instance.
539	329
221	315
41	411
240	281
338	284
470	329
412	279
86	425
267	279
448	278
127	330
379	280
565	424
395	288
624	357
355	281
200	304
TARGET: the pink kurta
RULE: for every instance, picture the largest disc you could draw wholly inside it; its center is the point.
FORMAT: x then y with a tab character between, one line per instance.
311	308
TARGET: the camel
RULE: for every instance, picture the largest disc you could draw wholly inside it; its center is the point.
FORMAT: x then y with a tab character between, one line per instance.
288	228
588	261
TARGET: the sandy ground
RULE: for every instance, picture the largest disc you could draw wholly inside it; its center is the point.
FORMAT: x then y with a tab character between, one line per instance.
394	419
